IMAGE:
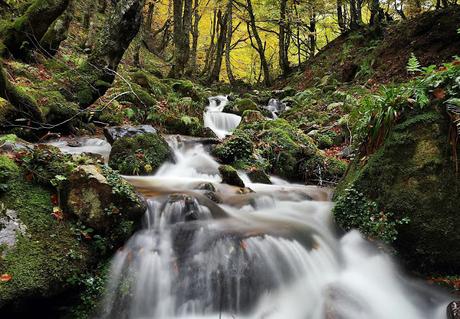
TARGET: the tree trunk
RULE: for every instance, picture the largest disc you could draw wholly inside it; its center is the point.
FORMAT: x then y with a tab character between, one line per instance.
222	21
98	73
259	45
182	10
195	36
22	36
57	32
340	18
282	43
25	107
210	52
312	34
353	15
228	45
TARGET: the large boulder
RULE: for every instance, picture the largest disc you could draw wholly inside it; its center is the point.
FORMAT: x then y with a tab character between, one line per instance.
100	198
230	176
141	154
113	133
409	191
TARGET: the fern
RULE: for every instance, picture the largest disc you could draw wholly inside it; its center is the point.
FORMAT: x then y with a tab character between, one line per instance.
413	65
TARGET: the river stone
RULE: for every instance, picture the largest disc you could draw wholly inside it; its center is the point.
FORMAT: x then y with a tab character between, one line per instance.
257	175
10	227
101	201
453	310
230	176
115	132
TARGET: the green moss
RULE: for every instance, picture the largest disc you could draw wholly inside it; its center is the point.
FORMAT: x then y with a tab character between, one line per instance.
142	154
239	106
8	138
47	254
413	176
230	176
237	147
319	168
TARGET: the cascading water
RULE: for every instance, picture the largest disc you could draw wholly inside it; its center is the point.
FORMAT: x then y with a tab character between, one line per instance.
272	253
221	123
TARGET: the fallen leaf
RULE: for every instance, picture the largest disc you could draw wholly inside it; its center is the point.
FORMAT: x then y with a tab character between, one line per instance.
5	277
439	93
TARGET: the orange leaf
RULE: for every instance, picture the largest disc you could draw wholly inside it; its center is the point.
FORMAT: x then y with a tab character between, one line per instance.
54	199
439	93
5	277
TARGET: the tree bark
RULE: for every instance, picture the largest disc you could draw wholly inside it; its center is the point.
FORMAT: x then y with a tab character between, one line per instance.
282	40
182	10
57	32
98	73
340	18
312	34
259	45
23	35
220	46
228	44
195	36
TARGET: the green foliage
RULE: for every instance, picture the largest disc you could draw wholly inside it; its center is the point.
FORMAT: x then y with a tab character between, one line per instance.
413	65
354	210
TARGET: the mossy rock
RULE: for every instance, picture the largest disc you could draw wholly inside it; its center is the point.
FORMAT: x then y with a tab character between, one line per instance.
139	155
230	176
239	106
413	176
250	116
257	175
321	169
100	198
237	147
58	246
186	88
185	125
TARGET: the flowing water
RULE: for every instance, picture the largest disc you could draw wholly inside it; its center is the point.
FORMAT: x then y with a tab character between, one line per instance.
222	124
272	253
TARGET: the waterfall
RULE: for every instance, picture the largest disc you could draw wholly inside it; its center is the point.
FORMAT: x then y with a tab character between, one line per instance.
221	123
272	254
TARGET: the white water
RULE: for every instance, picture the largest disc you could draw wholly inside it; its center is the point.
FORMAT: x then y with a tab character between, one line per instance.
221	123
274	255
85	145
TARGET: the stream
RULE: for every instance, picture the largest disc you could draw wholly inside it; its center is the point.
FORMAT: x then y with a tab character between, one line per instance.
272	252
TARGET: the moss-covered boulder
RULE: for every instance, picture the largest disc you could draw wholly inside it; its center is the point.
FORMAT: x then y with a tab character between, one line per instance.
6	111
186	88
323	170
412	184
273	145
230	176
100	198
257	175
54	244
239	105
139	155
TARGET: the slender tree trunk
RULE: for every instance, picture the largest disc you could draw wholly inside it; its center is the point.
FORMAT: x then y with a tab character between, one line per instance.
312	34
195	36
97	74
220	45
354	24
57	32
228	44
259	45
374	8
340	18
210	52
282	43
23	35
144	30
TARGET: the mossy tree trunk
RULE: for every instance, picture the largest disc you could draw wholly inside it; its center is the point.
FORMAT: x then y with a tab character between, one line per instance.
23	35
24	106
57	32
97	74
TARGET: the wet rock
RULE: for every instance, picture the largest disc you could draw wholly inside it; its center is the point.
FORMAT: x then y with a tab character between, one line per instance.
206	187
284	93
139	155
257	175
239	106
183	208
213	196
100	198
115	132
453	310
412	176
230	176
10	227
252	116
